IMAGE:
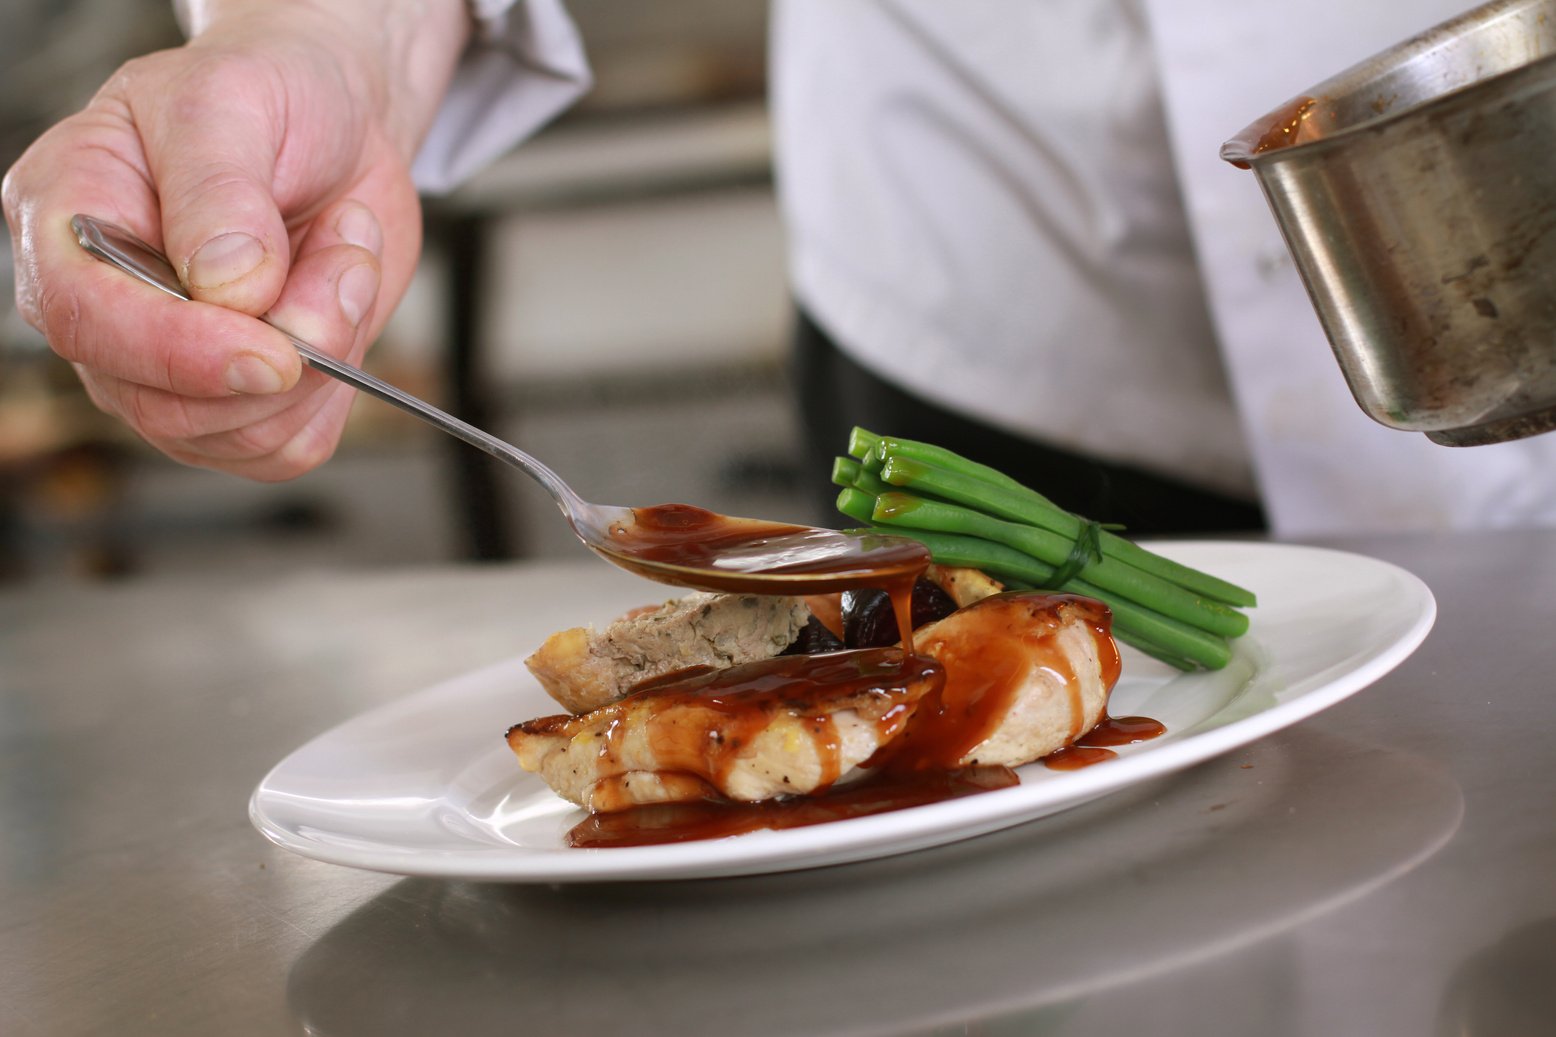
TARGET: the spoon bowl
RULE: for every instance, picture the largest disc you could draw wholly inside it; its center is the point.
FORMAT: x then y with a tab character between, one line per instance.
671	543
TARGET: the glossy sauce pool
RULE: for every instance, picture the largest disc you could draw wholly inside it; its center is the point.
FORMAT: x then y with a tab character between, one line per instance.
1095	745
682	822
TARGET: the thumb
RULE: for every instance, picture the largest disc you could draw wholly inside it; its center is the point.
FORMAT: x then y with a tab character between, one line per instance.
214	164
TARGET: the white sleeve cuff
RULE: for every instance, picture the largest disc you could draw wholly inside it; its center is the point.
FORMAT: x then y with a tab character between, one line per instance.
525	65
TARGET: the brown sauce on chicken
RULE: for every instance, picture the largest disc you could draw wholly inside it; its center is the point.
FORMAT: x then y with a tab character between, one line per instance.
729	707
986	667
925	744
926	741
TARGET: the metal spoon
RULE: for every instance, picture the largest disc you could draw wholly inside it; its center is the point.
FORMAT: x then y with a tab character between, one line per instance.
676	543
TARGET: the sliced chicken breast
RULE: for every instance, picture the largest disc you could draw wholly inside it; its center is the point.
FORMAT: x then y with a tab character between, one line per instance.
1026	673
784	726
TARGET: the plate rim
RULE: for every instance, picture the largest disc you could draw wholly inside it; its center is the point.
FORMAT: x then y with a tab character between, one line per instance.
867	837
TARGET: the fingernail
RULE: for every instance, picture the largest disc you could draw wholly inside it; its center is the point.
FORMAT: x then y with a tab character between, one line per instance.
357	226
357	289
251	375
224	259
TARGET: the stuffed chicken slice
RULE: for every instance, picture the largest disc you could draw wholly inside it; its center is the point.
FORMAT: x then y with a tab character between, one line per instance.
583	668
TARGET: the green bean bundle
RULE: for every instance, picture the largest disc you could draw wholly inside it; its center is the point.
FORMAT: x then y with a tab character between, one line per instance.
969	514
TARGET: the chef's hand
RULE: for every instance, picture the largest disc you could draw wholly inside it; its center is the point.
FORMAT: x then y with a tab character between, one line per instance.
269	158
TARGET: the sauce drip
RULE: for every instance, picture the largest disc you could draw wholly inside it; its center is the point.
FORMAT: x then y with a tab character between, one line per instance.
901	593
680	822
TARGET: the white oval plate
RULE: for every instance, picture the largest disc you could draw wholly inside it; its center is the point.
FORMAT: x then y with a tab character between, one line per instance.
427	786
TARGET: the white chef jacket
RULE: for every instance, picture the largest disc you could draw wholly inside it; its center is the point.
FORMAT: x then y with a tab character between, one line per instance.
1016	210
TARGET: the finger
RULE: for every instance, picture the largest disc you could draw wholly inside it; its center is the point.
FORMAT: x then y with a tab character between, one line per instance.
348	222
268	435
106	321
211	146
161	417
265	445
309	446
327	304
101	318
330	296
333	288
386	191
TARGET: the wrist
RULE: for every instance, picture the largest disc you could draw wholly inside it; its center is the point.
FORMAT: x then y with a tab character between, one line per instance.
398	55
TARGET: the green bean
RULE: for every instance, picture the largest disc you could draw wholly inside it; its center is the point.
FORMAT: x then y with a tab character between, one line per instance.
1152	592
880	447
848	472
859	505
1179	644
1019	504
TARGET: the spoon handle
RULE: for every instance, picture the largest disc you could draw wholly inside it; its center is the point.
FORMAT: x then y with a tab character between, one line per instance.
120	248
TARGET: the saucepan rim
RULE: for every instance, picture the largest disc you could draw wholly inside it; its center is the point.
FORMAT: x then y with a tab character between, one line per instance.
1243	148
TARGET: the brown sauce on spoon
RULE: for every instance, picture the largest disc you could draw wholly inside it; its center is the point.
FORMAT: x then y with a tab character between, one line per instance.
739	555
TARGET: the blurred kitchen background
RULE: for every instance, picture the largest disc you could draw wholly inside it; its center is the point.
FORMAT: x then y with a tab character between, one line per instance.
609	297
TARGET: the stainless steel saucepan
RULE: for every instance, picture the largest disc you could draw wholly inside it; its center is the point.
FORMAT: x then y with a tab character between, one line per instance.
1417	193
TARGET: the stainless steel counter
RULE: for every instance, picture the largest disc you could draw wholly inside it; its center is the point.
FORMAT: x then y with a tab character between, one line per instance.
1388	867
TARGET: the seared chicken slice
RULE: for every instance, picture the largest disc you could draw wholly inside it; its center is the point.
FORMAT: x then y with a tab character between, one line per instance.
584	669
1026	673
784	726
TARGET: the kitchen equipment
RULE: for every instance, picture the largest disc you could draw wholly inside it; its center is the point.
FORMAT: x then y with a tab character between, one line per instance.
676	544
1417	194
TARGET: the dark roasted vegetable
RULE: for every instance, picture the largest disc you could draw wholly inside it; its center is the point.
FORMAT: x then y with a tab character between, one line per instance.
869	622
814	638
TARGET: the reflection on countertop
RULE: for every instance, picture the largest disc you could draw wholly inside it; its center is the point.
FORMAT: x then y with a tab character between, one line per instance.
1507	989
1037	917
